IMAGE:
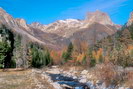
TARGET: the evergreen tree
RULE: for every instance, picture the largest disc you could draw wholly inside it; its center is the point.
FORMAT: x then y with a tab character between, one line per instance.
6	47
48	59
40	57
68	54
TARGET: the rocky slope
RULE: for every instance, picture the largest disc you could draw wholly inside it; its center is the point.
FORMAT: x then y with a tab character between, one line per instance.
20	26
97	25
99	17
67	27
130	21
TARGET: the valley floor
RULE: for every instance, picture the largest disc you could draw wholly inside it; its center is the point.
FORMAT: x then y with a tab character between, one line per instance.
22	79
56	77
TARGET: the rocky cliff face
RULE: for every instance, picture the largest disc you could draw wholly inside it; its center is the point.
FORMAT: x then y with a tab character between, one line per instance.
61	32
98	17
38	26
130	21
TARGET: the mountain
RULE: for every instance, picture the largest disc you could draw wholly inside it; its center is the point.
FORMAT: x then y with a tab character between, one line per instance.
94	33
30	33
96	26
118	48
99	17
130	21
67	27
64	28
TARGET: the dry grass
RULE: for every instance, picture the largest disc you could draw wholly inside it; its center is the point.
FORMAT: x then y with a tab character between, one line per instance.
111	74
129	79
43	82
24	79
16	80
108	74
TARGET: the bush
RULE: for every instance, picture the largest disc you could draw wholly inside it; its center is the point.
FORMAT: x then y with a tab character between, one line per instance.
56	56
13	63
129	79
84	61
92	62
108	73
121	57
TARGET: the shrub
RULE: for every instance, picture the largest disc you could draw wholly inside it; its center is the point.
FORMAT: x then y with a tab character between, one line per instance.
129	79
101	59
121	57
131	53
13	63
92	62
56	56
108	74
84	60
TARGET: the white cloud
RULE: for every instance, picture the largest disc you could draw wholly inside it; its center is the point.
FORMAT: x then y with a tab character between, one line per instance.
92	5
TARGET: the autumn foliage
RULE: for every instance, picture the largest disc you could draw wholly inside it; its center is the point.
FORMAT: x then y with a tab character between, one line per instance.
97	55
56	55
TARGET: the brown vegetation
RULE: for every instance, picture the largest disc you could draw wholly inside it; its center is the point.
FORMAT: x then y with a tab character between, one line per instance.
56	56
26	79
106	73
129	80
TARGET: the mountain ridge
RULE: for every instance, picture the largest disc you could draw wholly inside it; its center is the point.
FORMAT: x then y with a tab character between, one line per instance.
61	32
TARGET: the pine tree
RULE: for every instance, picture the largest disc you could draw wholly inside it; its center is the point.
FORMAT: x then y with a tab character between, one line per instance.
40	57
6	47
68	54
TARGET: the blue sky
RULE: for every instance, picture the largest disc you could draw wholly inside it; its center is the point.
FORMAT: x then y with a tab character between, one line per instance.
48	11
